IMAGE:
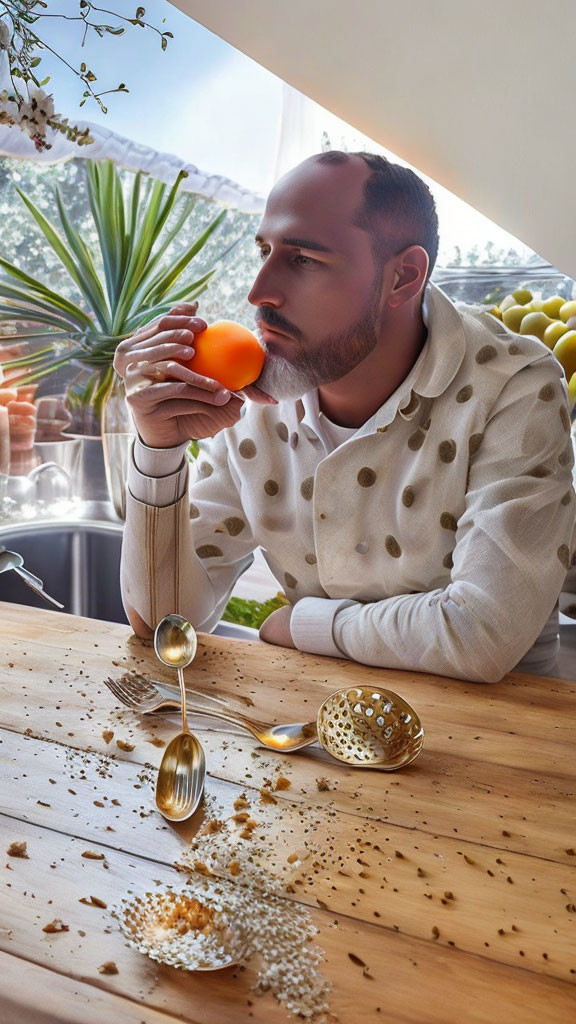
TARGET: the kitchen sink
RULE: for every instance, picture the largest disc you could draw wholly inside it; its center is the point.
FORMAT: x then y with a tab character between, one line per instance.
79	563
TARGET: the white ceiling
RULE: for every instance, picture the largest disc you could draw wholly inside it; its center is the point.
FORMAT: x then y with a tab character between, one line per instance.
478	96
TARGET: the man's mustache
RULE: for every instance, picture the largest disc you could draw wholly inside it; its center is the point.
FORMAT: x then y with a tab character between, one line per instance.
267	317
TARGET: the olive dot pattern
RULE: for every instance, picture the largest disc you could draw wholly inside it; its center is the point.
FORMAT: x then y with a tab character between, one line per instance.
486	354
366	477
408	496
465	394
234	525
392	547
447	451
247	449
209	551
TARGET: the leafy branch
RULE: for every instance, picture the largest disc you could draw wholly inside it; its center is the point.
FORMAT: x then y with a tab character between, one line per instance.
27	106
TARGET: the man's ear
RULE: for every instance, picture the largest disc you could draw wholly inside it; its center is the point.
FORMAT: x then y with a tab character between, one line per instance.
410	271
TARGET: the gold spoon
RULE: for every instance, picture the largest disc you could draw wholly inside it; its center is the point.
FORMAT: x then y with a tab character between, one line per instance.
369	727
182	772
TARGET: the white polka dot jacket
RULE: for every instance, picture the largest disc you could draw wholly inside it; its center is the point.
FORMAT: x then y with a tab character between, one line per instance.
435	538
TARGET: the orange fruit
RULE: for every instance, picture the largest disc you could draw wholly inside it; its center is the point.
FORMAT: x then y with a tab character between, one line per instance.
229	353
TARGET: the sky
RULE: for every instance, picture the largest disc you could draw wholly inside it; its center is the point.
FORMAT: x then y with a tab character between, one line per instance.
206	102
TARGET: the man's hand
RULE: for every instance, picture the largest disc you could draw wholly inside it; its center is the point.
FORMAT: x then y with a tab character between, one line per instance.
170	403
276	628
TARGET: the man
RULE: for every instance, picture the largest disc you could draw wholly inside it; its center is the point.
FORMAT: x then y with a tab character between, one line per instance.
409	480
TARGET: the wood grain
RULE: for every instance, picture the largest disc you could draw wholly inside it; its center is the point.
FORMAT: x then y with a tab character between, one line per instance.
454	880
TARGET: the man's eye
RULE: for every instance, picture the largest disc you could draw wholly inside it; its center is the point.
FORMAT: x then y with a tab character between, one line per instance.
305	261
263	252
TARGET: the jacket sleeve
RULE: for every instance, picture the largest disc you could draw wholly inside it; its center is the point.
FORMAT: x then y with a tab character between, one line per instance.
513	549
185	556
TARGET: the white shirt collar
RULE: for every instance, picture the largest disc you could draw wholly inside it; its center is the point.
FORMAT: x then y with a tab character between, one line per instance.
433	371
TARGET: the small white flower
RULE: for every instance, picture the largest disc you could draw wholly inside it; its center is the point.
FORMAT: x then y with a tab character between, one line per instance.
39	108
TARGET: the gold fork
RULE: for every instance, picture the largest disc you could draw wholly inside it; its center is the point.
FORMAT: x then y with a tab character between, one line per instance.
144	696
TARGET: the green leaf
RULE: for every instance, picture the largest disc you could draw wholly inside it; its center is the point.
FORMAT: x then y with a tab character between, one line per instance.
35	62
18	312
107	207
43	292
92	287
141	249
252	613
187	204
55	241
166	278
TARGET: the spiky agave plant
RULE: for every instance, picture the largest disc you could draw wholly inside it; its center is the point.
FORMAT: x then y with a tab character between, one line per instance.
138	281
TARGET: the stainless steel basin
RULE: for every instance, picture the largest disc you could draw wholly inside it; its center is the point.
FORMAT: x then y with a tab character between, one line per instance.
78	561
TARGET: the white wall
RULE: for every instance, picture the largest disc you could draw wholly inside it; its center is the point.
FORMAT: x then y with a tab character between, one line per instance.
479	96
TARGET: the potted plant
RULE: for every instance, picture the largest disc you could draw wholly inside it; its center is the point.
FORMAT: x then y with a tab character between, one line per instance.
124	281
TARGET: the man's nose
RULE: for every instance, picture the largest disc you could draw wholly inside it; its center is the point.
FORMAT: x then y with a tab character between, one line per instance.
266	290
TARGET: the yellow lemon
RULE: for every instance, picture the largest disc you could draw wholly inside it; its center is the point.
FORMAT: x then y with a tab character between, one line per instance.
522	296
554	332
536	305
553	305
507	301
567	310
495	311
513	317
572	390
535	323
565	352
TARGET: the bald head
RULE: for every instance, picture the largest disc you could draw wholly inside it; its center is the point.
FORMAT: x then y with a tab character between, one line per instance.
334	189
388	201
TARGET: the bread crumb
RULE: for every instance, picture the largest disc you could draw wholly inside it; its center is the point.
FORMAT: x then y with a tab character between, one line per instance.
323	783
123	745
92	855
267	798
18	850
108	968
107	735
282	783
211	827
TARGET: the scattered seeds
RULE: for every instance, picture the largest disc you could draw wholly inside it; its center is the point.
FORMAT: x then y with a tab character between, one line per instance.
55	926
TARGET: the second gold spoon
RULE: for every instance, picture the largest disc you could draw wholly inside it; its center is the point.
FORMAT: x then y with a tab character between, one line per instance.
182	772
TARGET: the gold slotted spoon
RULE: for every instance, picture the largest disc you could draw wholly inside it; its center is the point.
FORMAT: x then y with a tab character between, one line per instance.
369	727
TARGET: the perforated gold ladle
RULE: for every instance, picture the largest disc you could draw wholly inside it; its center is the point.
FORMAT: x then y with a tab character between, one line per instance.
369	727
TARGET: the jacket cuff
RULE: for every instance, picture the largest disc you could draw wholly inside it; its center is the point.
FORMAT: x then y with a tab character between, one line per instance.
311	625
159	491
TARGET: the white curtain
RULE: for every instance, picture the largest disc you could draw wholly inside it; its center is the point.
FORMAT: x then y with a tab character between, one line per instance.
134	157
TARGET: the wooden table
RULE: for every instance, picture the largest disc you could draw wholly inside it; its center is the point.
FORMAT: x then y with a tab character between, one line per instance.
456	886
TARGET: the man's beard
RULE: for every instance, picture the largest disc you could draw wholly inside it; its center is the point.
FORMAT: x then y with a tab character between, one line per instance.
334	357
